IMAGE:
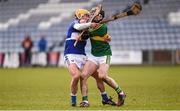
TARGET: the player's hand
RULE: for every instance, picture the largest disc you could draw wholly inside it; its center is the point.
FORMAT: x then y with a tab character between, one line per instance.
94	25
108	39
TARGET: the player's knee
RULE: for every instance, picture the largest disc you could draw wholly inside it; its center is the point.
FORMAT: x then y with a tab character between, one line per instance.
84	76
76	76
103	77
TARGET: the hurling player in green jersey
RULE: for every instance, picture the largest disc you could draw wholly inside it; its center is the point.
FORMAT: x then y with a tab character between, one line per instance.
100	59
75	57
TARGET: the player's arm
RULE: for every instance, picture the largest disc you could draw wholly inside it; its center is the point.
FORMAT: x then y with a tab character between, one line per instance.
83	26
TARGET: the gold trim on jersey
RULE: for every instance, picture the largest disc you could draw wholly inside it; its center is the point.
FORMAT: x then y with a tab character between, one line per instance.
100	38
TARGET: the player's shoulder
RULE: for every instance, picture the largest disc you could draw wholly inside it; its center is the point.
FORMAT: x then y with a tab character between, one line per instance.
104	25
75	22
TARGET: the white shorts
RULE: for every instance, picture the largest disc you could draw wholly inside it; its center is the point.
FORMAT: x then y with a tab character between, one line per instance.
100	60
77	59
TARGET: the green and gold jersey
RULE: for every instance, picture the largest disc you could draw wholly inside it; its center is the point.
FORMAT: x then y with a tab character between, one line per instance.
99	47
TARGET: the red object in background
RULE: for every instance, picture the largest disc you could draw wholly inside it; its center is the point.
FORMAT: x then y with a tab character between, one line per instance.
1	59
22	58
53	58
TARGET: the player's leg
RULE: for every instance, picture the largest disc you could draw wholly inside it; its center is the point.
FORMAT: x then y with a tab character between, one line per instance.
75	76
88	70
103	74
73	66
105	98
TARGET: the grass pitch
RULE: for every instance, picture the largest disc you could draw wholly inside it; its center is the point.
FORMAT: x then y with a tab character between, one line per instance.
147	87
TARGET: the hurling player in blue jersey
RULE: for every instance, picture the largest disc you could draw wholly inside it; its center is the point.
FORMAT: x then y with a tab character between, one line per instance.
75	57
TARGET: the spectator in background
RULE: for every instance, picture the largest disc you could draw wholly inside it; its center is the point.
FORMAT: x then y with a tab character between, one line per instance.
27	45
145	1
42	44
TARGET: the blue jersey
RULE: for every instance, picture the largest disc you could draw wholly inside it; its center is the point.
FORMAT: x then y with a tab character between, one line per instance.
71	36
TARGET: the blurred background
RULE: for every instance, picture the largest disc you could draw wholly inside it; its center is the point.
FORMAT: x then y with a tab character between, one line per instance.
32	32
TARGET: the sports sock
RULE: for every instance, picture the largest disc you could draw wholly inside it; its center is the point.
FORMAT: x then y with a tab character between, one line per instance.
85	98
73	99
118	90
104	96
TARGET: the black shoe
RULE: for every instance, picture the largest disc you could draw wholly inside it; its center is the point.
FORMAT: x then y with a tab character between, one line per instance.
109	102
121	98
84	104
73	104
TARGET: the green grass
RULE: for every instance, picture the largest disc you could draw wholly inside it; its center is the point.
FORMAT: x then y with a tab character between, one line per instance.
147	87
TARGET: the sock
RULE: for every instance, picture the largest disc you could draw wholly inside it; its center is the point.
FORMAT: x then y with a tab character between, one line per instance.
118	90
85	98
73	99
104	96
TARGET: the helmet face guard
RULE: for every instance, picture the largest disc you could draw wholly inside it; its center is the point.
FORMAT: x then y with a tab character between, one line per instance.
99	17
